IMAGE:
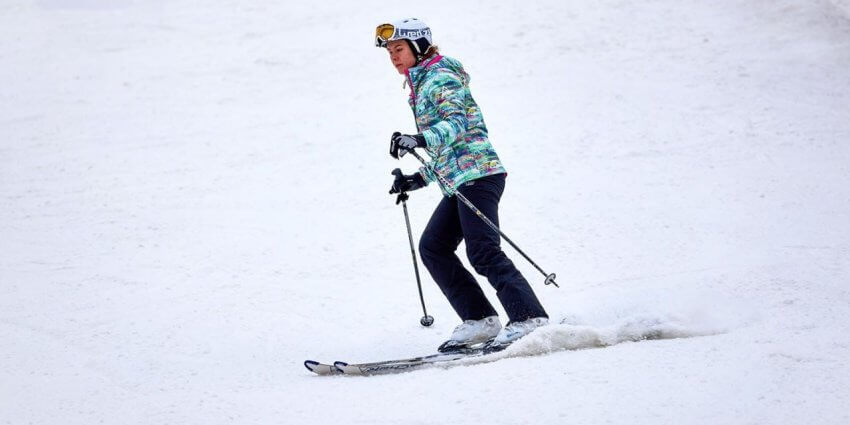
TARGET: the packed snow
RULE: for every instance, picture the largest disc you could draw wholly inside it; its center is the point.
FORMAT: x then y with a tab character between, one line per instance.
194	201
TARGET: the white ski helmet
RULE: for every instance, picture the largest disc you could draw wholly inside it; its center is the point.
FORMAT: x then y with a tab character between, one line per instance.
413	30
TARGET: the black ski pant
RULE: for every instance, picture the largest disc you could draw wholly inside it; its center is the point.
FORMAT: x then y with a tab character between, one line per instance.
452	222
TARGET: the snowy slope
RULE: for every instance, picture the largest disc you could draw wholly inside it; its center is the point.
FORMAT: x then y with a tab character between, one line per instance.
194	202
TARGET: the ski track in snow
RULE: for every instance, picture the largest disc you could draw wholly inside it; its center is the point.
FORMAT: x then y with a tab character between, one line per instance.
193	202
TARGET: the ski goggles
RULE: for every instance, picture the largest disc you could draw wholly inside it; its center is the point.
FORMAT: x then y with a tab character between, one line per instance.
384	34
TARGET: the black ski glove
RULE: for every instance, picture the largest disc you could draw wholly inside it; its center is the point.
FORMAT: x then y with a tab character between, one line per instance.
401	143
406	183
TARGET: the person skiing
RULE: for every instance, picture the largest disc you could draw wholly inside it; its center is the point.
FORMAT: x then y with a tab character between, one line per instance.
450	128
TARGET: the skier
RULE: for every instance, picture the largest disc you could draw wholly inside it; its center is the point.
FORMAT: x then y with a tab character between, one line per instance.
450	128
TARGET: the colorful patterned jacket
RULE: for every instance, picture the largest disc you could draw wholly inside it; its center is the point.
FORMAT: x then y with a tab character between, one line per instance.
449	119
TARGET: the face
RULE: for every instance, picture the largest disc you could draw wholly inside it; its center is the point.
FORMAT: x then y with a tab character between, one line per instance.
400	55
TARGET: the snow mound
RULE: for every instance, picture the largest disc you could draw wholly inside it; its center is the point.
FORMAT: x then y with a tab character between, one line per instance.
568	336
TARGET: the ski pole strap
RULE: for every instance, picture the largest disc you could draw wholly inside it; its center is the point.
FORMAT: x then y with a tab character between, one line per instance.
550	278
402	197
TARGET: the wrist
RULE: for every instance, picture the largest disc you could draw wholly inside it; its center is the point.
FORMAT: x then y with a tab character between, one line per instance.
420	140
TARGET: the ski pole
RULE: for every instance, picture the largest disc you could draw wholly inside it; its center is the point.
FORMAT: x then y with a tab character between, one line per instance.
426	320
550	278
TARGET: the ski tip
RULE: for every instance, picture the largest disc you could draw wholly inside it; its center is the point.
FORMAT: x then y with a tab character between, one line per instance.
340	366
321	368
346	369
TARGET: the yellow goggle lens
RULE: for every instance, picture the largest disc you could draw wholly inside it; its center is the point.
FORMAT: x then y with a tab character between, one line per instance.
384	32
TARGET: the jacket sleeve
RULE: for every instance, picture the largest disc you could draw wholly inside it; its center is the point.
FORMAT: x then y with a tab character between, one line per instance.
427	175
448	93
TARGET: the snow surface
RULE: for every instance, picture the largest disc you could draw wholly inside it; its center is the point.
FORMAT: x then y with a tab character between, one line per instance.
194	202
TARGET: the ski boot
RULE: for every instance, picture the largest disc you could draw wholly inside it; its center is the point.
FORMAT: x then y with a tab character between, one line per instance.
471	332
514	331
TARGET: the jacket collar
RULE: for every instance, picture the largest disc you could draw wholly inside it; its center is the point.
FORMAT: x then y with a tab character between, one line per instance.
414	72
